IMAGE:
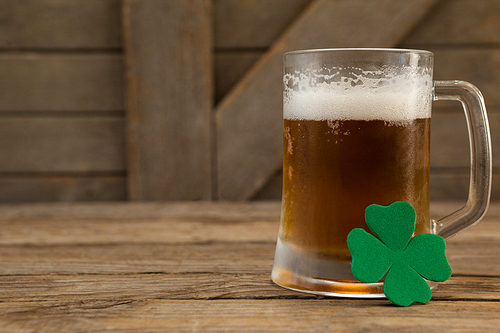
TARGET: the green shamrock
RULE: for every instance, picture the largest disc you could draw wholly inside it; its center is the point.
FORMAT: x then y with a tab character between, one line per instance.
406	260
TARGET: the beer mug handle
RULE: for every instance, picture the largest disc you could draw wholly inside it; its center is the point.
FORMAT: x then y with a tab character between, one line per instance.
480	153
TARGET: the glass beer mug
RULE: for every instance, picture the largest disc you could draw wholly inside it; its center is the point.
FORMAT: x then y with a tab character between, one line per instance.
356	132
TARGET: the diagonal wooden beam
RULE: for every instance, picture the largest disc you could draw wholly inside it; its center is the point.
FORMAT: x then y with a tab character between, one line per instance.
249	119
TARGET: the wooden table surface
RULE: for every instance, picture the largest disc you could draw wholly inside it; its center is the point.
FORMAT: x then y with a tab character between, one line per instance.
197	267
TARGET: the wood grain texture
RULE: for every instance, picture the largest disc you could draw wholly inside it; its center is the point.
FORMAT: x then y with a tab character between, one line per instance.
206	266
254	23
60	24
179	238
251	24
273	189
210	286
449	184
155	315
62	144
61	82
122	212
466	22
58	158
249	119
60	188
222	256
479	66
450	139
168	52
230	67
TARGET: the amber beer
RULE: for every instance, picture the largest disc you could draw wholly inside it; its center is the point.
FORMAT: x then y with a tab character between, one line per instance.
341	155
350	165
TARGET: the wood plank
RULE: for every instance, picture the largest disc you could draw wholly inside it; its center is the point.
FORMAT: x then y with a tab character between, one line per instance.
96	23
178	245
249	119
122	258
458	22
67	288
155	285
218	257
173	223
169	98
442	208
154	315
449	185
206	284
32	188
206	211
181	230
61	82
230	67
450	139
479	66
60	24
62	144
253	24
273	189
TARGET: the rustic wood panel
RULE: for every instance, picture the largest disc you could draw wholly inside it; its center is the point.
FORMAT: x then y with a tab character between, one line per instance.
252	315
449	185
62	144
254	23
60	24
115	223
479	66
121	227
49	188
104	278
273	189
249	120
119	212
61	82
458	22
110	249
169	98
450	139
230	67
251	24
208	286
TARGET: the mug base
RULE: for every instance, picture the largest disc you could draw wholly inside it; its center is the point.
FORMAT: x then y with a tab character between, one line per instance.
299	272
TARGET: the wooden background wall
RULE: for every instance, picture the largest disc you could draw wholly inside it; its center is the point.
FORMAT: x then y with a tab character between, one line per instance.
181	100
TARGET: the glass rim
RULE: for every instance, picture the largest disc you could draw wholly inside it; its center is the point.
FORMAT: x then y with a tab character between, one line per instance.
361	49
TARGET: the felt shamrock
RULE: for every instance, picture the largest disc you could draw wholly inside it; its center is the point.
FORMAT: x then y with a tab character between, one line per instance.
406	260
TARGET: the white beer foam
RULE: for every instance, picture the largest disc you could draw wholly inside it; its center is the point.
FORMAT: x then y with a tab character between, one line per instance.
392	102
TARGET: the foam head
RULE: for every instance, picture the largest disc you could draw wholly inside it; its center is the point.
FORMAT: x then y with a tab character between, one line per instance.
389	93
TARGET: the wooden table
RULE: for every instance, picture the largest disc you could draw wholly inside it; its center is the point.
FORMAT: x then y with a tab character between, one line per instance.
198	267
